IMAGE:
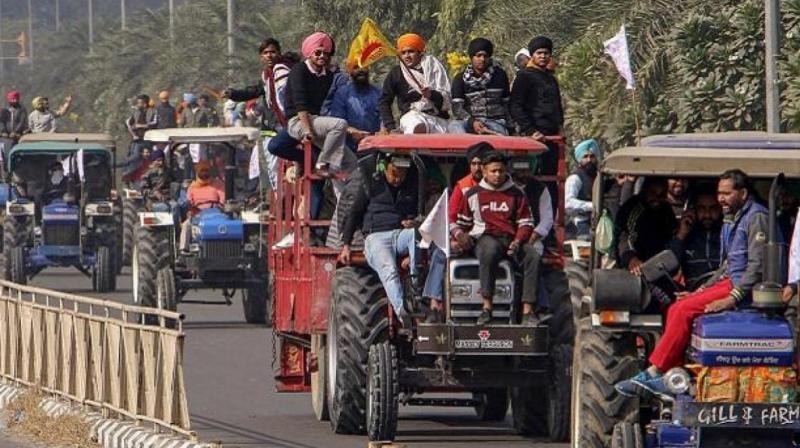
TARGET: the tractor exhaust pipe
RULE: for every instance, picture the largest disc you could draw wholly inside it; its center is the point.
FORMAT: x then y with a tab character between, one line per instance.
767	294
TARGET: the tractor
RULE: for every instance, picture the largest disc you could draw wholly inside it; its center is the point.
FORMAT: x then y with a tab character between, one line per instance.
340	340
225	248
737	386
60	212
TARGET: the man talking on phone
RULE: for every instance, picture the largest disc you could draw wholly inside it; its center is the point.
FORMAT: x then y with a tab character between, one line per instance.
697	242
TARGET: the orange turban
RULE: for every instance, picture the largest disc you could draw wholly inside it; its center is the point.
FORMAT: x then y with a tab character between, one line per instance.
411	40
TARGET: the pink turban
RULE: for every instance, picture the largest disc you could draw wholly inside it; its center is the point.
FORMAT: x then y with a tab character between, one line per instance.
317	40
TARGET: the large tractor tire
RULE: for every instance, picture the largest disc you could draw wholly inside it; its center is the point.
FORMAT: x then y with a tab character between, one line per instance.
119	239
130	218
166	297
544	410
578	277
358	320
627	435
256	301
104	274
153	252
16	234
319	378
600	360
492	405
383	392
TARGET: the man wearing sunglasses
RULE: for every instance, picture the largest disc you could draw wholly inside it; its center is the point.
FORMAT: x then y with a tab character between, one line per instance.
309	84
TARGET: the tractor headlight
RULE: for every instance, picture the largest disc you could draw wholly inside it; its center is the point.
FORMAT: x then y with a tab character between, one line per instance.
503	292
677	380
461	291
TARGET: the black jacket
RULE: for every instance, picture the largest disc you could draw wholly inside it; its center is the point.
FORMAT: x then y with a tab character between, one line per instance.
396	86
378	207
536	102
306	91
489	102
699	254
165	116
642	232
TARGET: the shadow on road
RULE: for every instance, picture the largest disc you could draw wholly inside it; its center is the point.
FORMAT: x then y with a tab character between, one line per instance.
225	430
221	325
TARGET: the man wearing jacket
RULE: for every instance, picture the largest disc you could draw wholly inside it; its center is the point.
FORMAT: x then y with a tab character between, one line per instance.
18	116
481	92
743	237
386	208
697	242
496	219
578	191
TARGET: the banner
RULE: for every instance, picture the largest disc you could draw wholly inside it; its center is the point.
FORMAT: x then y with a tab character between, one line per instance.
435	228
369	45
617	48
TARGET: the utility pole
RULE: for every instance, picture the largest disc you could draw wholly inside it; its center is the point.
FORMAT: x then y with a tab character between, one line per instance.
171	23
58	15
91	25
30	33
772	48
230	29
122	14
2	60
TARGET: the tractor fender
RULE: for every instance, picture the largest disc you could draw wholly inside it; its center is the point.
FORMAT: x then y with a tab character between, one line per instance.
156	219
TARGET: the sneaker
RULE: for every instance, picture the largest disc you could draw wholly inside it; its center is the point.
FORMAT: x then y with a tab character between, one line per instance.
530	320
643	381
544	316
403	318
287	241
434	317
485	317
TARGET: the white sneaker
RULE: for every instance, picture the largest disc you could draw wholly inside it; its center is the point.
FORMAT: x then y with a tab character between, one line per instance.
287	241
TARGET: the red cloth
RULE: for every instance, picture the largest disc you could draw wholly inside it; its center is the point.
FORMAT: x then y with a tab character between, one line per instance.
462	186
501	211
671	348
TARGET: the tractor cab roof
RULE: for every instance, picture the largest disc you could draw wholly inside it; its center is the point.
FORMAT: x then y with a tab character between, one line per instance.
22	150
100	138
758	154
449	144
202	135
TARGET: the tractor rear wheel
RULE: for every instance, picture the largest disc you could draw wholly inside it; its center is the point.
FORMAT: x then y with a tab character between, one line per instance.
627	435
255	301
577	272
492	405
16	233
383	392
129	221
153	252
358	319
17	269
600	360
104	272
319	378
166	298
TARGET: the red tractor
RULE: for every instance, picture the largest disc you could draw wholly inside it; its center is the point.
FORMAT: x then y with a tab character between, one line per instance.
340	340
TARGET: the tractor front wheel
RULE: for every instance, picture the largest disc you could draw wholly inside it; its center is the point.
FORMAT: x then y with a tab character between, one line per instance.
383	391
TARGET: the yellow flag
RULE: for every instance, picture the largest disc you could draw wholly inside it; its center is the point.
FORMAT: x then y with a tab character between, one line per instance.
369	45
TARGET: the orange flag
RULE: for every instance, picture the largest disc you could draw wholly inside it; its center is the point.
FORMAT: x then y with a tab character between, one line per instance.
369	45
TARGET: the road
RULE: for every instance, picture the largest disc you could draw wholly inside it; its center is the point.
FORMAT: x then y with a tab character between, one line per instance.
232	396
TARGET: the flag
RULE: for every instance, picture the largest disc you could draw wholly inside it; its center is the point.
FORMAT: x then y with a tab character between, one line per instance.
254	170
81	170
369	45
194	150
617	48
435	228
794	253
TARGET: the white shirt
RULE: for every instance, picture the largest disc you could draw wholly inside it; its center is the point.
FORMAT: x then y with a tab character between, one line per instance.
574	207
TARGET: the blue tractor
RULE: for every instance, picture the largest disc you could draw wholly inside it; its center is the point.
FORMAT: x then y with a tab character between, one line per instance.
225	248
60	212
737	386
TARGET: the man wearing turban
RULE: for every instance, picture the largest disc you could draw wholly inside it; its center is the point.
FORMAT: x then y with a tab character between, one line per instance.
309	85
41	118
481	92
578	190
422	90
18	116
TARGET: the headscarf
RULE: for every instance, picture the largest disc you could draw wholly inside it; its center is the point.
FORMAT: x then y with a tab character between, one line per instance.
479	150
540	42
202	165
189	97
37	102
317	40
12	96
411	40
480	44
585	147
522	52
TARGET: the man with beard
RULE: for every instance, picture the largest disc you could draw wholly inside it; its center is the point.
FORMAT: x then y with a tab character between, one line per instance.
422	89
697	243
481	92
165	112
644	226
678	195
18	116
357	103
743	239
578	191
41	118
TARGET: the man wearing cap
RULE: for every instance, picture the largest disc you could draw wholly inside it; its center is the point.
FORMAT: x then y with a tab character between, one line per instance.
578	190
421	87
166	116
386	208
536	101
481	92
41	118
309	83
18	116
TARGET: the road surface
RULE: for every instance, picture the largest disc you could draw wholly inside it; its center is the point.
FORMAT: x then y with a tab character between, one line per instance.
232	396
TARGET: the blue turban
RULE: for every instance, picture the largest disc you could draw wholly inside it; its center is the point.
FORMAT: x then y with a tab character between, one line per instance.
189	97
586	146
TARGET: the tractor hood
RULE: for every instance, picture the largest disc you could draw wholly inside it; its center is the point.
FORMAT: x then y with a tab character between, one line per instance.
61	213
213	224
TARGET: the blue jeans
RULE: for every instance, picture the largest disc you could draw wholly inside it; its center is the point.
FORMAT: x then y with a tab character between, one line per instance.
285	147
434	284
383	249
461	126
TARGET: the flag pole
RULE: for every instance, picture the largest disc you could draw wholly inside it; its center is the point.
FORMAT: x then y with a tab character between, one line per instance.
636	117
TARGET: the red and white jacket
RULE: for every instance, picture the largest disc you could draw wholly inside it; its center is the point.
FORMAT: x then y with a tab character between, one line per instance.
454	203
500	211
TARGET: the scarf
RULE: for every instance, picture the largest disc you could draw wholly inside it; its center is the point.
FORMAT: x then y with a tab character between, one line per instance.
429	74
476	81
270	77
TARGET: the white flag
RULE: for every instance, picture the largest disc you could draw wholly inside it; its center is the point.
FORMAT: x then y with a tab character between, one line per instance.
435	228
254	170
194	150
617	48
794	253
79	155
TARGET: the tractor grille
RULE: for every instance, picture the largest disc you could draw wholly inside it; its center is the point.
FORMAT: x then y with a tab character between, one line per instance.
61	235
222	248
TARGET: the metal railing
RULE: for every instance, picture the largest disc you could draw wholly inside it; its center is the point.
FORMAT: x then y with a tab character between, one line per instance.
96	353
